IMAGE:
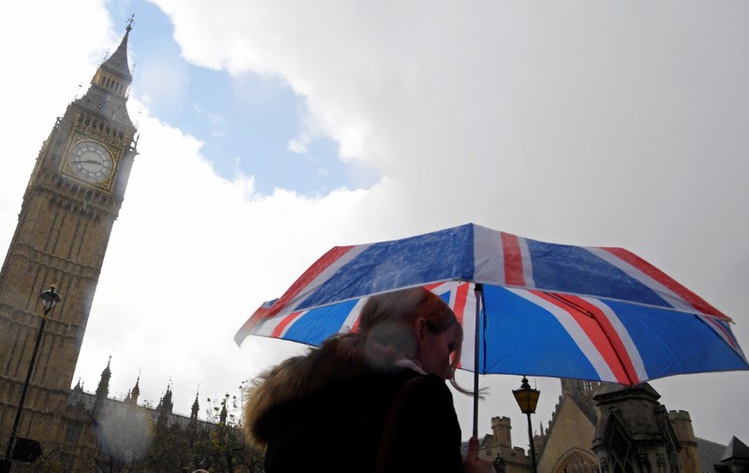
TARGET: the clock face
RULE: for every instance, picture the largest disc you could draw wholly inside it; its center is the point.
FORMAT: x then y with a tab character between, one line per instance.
91	161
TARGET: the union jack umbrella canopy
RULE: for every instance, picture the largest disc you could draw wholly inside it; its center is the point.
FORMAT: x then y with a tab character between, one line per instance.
541	309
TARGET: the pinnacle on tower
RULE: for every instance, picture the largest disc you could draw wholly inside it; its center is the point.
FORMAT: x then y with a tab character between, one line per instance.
195	407
110	86
102	391
106	375
135	392
117	62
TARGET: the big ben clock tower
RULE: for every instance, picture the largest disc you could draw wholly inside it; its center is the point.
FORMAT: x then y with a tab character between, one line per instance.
71	202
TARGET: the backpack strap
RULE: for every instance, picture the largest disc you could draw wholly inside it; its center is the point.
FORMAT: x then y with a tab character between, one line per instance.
390	422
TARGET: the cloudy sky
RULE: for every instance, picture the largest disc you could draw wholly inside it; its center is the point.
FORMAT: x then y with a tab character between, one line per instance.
271	131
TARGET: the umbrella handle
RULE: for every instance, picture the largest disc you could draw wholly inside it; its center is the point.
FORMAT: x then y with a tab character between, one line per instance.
479	291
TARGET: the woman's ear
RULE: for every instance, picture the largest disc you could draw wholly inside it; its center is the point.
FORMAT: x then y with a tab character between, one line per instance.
420	329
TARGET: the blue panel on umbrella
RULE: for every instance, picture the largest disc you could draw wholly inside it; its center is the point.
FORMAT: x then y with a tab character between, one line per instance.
319	324
523	338
412	261
572	269
671	342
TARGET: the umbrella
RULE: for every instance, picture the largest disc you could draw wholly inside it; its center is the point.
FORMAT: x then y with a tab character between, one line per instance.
541	309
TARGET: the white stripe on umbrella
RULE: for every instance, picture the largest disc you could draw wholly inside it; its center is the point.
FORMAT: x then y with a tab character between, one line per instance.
673	299
586	346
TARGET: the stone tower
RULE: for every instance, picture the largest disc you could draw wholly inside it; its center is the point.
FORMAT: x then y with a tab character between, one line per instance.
581	390
70	204
681	422
634	433
501	427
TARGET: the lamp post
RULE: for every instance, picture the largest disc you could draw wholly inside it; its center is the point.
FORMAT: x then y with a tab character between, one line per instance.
527	399
50	298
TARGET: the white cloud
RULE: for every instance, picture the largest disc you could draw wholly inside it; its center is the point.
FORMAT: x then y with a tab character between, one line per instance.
298	145
194	253
165	77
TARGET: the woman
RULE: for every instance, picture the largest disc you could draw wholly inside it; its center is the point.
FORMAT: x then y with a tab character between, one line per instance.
370	401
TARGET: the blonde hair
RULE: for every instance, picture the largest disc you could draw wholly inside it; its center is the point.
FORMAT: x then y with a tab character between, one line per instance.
387	321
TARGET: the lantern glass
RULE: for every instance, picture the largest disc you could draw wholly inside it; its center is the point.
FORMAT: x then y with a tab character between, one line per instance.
526	397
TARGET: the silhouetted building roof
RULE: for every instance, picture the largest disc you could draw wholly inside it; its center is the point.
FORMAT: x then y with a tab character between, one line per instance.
736	449
710	453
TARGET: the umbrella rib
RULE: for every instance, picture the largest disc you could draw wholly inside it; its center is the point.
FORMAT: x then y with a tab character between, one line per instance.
588	313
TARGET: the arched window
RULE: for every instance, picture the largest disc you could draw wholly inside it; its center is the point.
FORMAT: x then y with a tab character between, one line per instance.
576	461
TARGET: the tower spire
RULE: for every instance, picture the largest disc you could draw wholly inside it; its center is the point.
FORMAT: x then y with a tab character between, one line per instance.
112	79
102	391
117	62
195	407
135	392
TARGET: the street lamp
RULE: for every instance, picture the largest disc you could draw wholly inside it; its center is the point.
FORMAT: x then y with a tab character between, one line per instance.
527	399
50	298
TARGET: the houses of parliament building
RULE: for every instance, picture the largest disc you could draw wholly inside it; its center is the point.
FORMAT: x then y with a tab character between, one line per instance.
69	207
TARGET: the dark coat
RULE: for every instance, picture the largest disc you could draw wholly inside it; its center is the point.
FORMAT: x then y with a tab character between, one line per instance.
339	427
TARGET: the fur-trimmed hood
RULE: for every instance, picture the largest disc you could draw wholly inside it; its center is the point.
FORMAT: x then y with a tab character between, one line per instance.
339	358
